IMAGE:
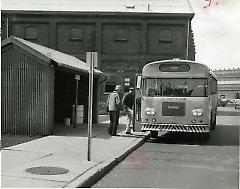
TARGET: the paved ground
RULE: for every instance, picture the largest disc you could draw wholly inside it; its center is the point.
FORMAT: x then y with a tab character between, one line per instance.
228	116
228	111
183	160
66	150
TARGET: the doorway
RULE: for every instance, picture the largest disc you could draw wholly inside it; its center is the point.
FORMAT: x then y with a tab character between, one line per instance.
65	95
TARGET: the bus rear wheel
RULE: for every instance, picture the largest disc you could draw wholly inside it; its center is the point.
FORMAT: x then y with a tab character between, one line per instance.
153	134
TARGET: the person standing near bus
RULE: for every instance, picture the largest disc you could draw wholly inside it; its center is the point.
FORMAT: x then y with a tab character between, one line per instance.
114	106
128	102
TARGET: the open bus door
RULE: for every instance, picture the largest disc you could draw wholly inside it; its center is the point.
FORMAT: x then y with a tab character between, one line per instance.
137	103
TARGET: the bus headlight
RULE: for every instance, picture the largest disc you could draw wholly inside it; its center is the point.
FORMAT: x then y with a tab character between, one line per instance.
150	111
197	112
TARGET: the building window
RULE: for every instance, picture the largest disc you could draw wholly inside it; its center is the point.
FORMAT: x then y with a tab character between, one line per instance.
30	33
165	36
126	81
126	84
111	82
121	35
109	88
76	34
213	86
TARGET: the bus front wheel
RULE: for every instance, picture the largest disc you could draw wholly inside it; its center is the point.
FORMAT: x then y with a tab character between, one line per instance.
153	134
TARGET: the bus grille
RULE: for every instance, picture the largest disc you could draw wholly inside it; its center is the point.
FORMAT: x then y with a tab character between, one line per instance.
175	128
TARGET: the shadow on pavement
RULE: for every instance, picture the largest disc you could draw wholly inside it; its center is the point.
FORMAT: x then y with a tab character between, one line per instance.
98	130
224	135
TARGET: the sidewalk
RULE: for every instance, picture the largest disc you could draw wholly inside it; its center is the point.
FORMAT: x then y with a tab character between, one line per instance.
60	160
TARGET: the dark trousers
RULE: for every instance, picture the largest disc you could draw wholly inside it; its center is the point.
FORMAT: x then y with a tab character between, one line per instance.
114	120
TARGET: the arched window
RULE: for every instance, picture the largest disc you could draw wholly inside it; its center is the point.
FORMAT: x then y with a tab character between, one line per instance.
76	33
121	34
30	33
165	36
111	81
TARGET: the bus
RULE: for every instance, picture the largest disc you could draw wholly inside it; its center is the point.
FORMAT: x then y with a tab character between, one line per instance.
177	96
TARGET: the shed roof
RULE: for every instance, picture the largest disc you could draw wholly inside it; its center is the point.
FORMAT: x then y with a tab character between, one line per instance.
47	54
135	6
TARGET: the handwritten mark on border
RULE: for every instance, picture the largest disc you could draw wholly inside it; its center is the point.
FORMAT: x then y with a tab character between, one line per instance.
209	3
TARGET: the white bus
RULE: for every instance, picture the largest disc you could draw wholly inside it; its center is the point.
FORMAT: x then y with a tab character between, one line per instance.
177	96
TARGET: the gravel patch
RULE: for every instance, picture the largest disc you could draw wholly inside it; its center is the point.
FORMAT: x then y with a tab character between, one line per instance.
11	140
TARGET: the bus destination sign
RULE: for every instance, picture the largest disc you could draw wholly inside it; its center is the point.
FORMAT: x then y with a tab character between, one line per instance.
178	67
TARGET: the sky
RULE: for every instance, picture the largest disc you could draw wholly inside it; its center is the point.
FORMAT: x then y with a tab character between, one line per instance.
217	33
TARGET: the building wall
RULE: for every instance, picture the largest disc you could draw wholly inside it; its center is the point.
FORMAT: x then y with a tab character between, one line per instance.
228	82
27	98
125	42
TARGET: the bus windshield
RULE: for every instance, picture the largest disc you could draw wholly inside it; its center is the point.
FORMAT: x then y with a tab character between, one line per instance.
184	87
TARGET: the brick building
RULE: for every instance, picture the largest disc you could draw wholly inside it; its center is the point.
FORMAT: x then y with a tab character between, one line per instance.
126	34
228	82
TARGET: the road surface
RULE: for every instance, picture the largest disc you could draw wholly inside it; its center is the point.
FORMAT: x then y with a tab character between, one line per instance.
183	160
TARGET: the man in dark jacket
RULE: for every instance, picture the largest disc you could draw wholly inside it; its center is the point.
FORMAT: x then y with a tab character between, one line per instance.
128	102
114	104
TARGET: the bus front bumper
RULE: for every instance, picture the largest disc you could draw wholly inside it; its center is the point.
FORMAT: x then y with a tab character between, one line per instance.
175	128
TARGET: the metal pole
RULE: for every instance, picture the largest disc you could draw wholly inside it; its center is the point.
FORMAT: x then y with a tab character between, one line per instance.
76	103
134	110
90	99
7	27
188	33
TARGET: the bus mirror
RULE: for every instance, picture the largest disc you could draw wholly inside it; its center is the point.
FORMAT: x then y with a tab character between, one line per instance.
139	80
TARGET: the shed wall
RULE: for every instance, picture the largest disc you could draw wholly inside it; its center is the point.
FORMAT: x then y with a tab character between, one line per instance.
27	93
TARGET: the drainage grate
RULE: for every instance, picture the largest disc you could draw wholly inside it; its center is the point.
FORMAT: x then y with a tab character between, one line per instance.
47	170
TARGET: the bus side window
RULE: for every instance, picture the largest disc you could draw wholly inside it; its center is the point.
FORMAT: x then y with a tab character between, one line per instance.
213	86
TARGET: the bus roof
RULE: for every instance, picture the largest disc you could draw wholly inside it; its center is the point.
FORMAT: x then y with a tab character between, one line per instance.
183	69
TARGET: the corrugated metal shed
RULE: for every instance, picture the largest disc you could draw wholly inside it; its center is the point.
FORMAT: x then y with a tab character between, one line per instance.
28	79
135	6
27	100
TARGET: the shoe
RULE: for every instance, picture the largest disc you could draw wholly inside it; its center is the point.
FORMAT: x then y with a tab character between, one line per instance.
129	133
114	134
109	131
